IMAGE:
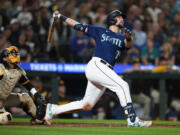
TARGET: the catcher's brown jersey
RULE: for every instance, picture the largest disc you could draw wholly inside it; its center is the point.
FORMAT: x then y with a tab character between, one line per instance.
8	80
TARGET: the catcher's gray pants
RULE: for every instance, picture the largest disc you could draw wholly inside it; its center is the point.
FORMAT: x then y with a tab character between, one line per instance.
22	100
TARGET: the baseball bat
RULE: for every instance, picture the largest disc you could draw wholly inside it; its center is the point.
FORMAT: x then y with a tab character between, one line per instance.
51	32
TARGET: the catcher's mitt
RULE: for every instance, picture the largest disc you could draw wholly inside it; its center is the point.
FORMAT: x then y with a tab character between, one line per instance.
40	103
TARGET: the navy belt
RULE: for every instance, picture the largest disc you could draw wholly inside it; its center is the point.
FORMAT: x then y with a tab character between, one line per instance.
107	64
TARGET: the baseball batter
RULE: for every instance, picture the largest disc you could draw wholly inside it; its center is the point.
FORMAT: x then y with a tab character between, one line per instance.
99	71
10	75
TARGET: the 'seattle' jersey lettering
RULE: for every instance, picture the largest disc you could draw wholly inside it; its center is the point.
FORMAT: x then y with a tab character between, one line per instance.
108	44
114	41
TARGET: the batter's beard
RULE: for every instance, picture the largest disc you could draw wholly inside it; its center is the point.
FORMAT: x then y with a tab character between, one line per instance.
120	26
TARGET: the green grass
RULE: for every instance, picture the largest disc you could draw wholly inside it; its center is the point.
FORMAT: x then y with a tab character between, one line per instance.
45	130
17	120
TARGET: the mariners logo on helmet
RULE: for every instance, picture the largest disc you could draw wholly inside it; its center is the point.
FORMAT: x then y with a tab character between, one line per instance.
12	53
111	20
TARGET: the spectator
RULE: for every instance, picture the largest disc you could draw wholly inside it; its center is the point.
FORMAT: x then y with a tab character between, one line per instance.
167	52
154	10
81	45
44	27
24	50
25	17
132	54
54	53
116	5
149	53
40	24
38	83
140	36
128	4
174	100
159	35
132	14
14	10
147	23
175	41
15	31
84	13
100	14
105	107
63	98
45	3
163	65
172	8
7	33
31	39
175	27
163	22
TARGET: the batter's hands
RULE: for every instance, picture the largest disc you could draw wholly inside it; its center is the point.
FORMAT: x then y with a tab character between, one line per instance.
128	34
56	15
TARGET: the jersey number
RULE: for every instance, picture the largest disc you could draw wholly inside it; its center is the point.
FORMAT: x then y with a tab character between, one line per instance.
117	54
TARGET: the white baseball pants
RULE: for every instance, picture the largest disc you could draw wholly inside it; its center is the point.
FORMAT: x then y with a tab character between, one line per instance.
99	76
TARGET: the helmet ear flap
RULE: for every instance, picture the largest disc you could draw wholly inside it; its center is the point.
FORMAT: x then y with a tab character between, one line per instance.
110	21
113	21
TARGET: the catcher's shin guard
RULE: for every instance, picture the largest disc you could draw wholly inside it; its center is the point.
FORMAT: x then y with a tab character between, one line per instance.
27	104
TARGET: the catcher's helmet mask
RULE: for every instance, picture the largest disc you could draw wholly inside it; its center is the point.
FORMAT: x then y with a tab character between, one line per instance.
111	18
12	53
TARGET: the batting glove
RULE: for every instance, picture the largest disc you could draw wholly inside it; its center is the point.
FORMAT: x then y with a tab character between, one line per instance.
56	16
128	34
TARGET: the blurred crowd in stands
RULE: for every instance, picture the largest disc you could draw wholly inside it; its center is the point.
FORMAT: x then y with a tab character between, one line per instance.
156	28
26	23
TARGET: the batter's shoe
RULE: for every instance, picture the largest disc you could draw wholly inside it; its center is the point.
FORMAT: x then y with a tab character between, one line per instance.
48	115
139	123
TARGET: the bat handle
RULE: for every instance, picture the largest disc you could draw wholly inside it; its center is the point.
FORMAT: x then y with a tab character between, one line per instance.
51	32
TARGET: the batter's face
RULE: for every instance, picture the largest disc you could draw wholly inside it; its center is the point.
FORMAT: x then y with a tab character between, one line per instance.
120	21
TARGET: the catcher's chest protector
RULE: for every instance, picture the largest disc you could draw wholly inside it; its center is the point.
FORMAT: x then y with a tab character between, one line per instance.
11	77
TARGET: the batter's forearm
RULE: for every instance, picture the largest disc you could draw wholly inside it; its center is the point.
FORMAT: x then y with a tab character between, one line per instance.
129	43
74	24
71	22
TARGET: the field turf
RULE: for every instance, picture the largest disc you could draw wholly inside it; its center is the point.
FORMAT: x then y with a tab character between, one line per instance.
21	127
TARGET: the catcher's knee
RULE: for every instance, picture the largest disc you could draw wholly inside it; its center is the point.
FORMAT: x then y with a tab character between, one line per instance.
24	98
5	118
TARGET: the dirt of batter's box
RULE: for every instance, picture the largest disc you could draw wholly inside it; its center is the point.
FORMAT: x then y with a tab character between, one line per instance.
91	125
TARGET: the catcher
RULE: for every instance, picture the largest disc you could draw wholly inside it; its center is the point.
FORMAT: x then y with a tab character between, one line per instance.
11	74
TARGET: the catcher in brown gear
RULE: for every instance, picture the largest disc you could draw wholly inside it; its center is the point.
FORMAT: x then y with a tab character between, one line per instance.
10	75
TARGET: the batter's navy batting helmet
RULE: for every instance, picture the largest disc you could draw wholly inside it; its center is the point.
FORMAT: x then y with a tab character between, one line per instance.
111	20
